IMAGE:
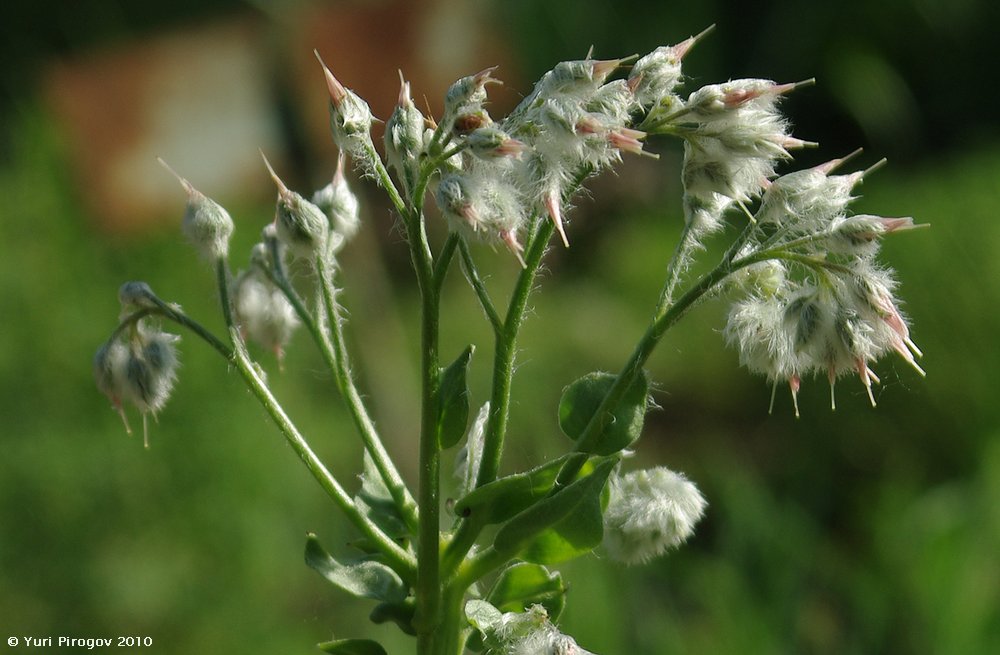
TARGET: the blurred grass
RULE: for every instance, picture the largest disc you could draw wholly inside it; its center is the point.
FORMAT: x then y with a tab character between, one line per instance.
851	532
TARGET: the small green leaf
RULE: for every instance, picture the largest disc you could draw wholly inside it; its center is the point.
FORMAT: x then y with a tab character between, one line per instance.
352	647
483	616
501	499
582	398
376	503
522	585
561	526
399	613
453	400
366	579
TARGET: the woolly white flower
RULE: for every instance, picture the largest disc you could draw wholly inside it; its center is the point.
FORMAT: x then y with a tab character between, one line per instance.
340	205
263	313
649	512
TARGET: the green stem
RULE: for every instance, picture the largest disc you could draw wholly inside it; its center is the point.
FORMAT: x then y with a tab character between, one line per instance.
382	176
503	370
428	592
662	321
472	274
503	358
338	358
444	260
401	561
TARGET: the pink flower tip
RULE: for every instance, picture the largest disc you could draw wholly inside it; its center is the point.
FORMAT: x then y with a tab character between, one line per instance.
336	89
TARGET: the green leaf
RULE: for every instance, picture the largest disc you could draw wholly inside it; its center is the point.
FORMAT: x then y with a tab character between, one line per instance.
366	579
399	613
453	400
501	499
582	398
561	526
524	584
486	619
376	503
483	616
352	647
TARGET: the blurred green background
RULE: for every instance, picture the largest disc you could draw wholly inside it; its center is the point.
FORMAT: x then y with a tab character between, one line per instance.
859	531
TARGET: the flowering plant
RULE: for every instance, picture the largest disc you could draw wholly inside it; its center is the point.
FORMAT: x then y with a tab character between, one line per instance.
807	293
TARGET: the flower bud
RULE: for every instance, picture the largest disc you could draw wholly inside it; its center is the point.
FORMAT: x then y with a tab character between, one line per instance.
649	512
467	95
110	362
150	372
301	225
206	224
339	203
404	136
454	201
492	142
262	311
136	295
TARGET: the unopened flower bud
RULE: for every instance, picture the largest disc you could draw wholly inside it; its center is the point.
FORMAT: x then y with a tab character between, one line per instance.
150	372
404	136
468	122
110	362
468	94
455	202
206	224
301	225
649	512
262	311
492	142
136	295
339	203
350	116
859	235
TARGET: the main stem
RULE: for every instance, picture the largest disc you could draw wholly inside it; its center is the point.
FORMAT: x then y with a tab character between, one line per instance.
428	618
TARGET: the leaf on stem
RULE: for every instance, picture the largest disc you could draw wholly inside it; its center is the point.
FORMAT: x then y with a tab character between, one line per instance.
561	526
522	585
497	501
399	613
365	579
375	501
581	400
453	400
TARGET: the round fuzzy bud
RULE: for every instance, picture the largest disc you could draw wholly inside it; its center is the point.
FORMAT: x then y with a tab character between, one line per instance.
301	225
339	203
151	370
491	143
136	295
467	95
649	512
454	201
654	76
404	136
109	371
264	314
206	224
350	116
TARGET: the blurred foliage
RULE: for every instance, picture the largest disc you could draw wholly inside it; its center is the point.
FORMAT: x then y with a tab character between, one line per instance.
851	532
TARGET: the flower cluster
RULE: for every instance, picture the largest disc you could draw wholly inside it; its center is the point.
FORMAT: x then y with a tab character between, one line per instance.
529	633
138	365
825	305
649	512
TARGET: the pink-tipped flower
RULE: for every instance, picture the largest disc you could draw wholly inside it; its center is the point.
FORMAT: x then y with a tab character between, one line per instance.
629	140
301	225
207	225
350	117
553	204
509	238
491	143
